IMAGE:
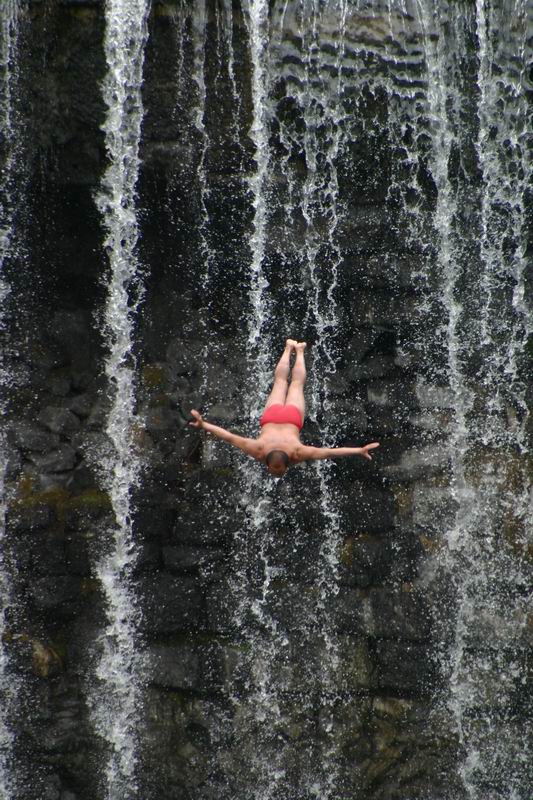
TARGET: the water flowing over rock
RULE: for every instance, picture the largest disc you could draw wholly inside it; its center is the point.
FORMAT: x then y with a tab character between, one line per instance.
185	185
9	684
116	697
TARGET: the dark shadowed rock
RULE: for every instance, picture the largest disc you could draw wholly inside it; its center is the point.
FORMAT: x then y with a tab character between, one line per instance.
365	560
58	383
59	420
80	404
59	460
32	438
172	604
51	788
28	515
193	666
397	613
405	667
185	356
187	558
58	592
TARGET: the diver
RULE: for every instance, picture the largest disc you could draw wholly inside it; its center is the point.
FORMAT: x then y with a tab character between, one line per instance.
278	445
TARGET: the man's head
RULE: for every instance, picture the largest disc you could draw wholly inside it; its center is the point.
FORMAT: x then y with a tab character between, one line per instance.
277	462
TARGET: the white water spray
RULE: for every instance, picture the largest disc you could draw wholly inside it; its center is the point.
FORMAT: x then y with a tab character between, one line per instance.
257	23
9	683
116	698
490	579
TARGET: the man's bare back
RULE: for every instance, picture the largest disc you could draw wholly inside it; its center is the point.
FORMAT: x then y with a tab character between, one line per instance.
278	445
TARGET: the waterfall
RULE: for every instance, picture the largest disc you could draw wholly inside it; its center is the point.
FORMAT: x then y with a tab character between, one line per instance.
259	711
273	678
116	697
487	331
350	172
493	521
325	125
7	687
257	23
206	254
9	682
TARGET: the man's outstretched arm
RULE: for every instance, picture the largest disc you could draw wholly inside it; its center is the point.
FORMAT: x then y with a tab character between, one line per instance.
249	446
319	453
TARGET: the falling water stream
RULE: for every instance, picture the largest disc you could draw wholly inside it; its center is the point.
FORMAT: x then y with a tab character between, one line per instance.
415	50
116	709
492	530
9	682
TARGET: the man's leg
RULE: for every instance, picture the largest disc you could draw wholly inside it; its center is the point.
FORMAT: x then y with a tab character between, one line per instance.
281	376
295	394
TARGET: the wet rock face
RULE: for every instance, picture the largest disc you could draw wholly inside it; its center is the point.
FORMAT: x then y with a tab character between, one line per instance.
215	591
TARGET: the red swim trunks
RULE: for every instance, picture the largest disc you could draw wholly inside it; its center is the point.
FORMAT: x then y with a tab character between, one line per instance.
282	415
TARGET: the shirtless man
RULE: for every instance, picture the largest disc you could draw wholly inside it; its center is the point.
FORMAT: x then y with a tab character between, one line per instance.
278	445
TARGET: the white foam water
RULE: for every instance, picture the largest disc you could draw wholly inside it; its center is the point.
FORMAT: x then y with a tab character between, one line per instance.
274	677
325	126
8	686
9	682
116	695
490	488
256	20
496	523
261	714
328	62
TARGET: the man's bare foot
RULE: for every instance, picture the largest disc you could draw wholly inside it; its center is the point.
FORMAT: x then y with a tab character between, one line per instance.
291	343
300	346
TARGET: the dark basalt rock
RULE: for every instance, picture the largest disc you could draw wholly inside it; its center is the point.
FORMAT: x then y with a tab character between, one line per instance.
33	439
59	420
172	605
62	459
406	667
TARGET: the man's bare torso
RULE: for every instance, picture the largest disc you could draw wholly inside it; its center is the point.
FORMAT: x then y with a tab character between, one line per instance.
274	436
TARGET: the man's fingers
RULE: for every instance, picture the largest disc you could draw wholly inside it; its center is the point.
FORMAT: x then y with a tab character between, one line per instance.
368	447
197	419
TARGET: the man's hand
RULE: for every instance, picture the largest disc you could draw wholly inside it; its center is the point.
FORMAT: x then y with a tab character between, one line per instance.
198	421
366	448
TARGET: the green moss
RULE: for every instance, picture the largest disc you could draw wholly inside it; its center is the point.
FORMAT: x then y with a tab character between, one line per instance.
224	472
403	499
515	536
507	468
430	545
160	400
60	501
84	13
153	377
167	9
59	645
92	499
90	586
346	553
25	485
54	498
